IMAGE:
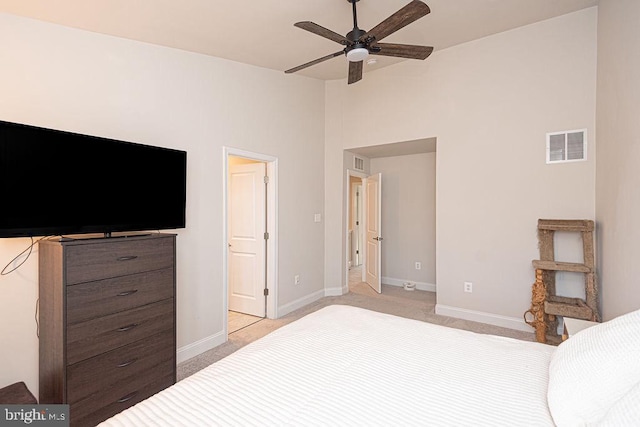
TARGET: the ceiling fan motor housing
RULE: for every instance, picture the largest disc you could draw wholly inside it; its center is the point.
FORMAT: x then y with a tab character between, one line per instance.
355	34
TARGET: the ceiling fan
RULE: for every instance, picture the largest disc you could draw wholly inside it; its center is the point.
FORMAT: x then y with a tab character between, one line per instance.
359	43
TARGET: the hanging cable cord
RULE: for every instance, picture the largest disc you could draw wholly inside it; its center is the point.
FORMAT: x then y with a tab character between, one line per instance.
28	251
6	272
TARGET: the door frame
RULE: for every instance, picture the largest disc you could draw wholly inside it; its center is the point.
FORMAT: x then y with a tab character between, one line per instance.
362	176
272	228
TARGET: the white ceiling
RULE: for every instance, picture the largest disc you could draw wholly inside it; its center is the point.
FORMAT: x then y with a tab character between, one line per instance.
261	32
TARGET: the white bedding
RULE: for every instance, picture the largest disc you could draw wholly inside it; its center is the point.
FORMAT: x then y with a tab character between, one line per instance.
348	366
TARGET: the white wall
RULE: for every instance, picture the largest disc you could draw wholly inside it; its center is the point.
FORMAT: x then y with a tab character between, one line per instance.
490	103
617	190
84	82
408	218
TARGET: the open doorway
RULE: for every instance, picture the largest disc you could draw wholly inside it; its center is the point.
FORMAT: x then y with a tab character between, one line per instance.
364	229
250	238
373	231
247	246
408	200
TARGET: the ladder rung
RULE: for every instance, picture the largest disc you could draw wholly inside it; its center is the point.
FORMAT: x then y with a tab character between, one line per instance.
565	224
577	310
561	266
566	300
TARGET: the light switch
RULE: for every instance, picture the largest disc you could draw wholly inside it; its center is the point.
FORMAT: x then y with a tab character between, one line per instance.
317	217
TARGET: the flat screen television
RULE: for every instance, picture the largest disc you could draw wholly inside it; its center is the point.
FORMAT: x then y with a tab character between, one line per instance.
61	183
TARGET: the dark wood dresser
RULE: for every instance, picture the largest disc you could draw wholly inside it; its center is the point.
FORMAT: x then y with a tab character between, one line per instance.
107	322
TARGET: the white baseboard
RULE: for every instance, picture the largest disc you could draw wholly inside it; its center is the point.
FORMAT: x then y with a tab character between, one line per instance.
335	292
299	303
192	350
199	347
482	317
421	286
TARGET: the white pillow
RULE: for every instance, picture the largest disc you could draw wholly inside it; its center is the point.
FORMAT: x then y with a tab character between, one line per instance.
625	412
592	370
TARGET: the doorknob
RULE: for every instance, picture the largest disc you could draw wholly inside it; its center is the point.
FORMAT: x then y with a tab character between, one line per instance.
379	239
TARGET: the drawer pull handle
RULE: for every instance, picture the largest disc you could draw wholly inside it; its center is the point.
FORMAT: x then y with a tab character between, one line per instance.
127	397
127	328
127	258
127	293
127	363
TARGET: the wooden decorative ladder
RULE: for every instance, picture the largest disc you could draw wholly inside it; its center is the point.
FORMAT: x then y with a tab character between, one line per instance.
551	305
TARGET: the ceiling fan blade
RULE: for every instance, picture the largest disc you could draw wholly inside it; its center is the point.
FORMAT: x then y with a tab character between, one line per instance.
402	50
355	71
314	62
321	31
405	16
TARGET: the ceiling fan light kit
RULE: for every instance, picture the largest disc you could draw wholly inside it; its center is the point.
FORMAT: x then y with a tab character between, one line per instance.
357	54
359	44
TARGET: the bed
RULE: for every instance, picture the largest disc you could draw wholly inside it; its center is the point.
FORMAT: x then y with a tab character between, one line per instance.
343	365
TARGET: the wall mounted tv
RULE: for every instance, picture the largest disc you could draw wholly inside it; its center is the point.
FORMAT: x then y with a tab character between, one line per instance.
60	183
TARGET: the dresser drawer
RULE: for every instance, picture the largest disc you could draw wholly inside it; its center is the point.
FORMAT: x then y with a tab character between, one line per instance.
105	259
90	338
93	410
95	299
153	357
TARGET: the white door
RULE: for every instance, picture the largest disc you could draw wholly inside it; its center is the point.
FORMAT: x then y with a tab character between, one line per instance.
373	231
247	248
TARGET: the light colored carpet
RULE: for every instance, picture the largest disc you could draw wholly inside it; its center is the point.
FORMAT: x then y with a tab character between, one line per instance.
239	321
419	305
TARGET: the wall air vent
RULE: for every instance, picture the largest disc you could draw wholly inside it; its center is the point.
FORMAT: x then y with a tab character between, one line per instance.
358	164
567	146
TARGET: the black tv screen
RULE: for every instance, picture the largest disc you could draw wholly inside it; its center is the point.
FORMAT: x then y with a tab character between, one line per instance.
56	183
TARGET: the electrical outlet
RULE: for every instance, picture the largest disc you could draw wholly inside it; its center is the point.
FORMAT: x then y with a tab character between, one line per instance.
468	287
418	265
296	279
